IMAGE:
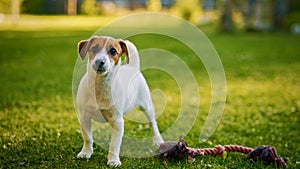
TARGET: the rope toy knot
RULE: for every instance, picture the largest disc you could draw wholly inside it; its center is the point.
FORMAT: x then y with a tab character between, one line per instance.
268	155
219	150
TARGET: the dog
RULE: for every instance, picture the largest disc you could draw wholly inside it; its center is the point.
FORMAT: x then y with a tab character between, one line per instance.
109	89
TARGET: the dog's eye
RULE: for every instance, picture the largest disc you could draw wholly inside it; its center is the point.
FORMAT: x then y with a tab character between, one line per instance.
95	49
113	51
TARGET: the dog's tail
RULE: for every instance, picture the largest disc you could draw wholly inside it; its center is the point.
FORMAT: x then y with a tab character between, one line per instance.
132	54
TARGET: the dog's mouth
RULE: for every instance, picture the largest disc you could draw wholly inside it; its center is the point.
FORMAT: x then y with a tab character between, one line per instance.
101	71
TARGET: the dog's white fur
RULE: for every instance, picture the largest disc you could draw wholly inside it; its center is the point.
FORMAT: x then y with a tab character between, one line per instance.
105	96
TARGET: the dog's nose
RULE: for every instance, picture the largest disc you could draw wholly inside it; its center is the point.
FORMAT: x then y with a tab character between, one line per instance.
99	62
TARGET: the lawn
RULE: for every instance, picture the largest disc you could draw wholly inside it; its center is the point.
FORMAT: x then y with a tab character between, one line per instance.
38	124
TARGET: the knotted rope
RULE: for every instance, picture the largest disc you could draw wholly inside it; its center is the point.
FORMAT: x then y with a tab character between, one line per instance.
180	149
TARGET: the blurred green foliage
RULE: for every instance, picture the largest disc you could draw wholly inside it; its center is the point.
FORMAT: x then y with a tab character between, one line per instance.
5	6
32	6
187	9
89	7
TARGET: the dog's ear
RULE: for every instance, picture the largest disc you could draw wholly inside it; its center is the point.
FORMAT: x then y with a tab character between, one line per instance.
125	50
82	48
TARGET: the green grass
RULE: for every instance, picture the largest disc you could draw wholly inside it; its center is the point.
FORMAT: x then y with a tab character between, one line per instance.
39	128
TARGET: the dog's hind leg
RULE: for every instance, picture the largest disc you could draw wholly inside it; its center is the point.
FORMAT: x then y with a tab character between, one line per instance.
150	113
86	131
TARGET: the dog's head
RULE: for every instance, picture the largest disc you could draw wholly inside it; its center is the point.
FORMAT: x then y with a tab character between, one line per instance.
104	53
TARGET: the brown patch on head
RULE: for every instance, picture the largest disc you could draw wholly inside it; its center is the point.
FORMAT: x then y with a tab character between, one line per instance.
95	46
114	48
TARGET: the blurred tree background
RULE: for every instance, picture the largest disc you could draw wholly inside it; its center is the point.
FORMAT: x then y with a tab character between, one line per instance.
250	15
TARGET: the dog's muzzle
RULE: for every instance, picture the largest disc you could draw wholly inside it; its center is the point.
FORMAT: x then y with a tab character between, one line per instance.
100	66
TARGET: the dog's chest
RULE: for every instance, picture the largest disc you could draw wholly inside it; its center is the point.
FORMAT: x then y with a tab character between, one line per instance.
103	94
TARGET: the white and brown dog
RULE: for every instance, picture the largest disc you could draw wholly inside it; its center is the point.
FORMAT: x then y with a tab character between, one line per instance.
108	90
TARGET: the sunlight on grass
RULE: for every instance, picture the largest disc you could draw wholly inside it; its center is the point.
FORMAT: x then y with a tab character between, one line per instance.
35	23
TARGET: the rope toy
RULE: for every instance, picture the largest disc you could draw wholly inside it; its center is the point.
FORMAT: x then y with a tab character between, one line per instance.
179	150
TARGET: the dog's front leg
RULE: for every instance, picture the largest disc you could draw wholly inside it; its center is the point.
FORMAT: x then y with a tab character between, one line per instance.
86	130
115	143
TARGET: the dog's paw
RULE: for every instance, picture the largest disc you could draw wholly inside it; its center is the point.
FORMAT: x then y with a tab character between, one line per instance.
157	140
85	154
114	163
